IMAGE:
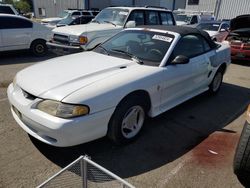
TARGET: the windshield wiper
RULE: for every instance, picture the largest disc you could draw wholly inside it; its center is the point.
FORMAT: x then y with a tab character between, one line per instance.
133	57
110	22
105	50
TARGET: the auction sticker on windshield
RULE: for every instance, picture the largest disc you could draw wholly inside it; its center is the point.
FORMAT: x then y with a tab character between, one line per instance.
162	38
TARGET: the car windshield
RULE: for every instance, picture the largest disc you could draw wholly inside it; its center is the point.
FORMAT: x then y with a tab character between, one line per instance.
66	21
182	17
63	14
146	47
209	26
112	15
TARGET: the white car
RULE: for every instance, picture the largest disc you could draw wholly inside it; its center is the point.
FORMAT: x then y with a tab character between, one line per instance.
107	23
18	33
109	91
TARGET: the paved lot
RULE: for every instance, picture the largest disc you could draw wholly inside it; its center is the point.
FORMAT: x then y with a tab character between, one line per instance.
191	145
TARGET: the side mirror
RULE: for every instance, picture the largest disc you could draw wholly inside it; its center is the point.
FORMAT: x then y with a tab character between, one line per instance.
223	30
180	59
130	24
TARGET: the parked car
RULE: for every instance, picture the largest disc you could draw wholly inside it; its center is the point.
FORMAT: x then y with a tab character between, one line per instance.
64	15
239	37
242	154
139	72
7	9
185	17
17	33
217	30
75	21
106	24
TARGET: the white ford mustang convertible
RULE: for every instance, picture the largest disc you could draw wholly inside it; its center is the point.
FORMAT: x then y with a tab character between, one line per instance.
109	91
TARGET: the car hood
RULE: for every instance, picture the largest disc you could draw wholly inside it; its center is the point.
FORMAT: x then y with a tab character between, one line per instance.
85	28
240	22
55	19
211	33
57	78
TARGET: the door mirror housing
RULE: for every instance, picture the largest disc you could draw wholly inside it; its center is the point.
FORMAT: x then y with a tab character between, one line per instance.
130	24
180	59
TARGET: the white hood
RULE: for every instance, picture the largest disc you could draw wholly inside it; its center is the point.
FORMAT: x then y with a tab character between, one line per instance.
48	20
211	33
91	27
57	78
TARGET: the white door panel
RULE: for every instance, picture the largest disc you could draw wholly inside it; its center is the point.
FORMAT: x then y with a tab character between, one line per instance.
14	39
178	81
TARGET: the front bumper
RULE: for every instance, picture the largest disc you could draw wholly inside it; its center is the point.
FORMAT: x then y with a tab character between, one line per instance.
63	49
53	130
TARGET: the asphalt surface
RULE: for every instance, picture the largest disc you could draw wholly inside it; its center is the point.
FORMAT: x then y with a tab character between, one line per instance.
191	145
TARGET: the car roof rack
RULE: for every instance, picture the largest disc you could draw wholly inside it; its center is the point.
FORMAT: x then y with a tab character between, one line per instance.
149	6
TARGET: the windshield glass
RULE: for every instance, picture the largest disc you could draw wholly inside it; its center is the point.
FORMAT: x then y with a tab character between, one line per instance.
209	26
63	14
146	46
66	21
113	15
182	17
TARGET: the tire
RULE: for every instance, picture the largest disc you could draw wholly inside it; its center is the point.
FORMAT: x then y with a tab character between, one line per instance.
39	48
214	87
242	157
127	120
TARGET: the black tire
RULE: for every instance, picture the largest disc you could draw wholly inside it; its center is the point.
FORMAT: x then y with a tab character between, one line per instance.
242	157
215	85
116	132
39	48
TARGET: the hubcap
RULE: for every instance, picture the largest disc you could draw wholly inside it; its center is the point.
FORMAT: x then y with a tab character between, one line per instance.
217	81
132	121
39	48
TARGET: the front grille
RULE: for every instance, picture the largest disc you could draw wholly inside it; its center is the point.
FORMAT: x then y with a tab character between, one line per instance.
61	39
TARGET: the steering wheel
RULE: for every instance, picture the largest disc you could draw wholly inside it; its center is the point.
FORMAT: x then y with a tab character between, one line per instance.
155	52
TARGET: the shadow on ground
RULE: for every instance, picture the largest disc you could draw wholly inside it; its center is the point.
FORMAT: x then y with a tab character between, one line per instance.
241	62
164	138
22	56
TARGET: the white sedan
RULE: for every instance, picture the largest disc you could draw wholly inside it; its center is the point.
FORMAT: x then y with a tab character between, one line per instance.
18	33
109	91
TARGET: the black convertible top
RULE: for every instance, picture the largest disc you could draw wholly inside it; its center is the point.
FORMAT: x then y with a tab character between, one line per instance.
183	30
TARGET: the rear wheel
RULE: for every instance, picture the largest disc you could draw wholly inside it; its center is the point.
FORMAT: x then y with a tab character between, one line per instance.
242	157
127	120
39	47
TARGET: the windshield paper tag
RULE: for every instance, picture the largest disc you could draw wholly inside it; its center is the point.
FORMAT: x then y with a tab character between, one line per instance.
123	13
163	38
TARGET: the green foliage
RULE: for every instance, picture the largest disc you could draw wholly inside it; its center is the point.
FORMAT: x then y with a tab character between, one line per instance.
22	5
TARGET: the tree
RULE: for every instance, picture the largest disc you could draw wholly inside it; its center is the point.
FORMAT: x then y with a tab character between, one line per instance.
22	6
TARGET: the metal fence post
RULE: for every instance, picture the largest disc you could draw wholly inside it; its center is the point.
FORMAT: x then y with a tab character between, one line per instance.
85	173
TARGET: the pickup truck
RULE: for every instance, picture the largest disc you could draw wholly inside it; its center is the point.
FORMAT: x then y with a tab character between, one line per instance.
106	24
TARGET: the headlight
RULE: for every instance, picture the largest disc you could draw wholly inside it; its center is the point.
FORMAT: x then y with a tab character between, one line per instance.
73	39
62	110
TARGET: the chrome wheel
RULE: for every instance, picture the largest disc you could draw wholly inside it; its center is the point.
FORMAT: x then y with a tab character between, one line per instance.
217	81
39	48
132	121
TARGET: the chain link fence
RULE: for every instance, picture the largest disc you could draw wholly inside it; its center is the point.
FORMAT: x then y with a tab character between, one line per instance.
84	173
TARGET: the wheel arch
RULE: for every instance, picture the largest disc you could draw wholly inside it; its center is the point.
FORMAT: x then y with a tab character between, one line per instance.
223	68
35	40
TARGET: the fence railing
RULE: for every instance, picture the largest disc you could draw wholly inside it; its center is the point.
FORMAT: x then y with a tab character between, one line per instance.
84	173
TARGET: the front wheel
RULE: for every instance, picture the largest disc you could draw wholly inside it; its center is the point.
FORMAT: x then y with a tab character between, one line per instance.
127	121
214	87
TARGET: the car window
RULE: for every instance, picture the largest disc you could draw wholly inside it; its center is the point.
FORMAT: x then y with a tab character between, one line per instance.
14	23
194	20
86	13
137	16
152	18
225	26
76	14
166	18
189	46
6	10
